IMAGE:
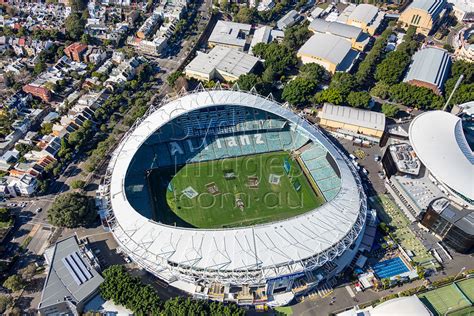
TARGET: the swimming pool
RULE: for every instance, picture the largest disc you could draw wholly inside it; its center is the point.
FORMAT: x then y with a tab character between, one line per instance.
390	268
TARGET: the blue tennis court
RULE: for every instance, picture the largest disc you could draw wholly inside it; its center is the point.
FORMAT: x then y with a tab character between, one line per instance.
390	268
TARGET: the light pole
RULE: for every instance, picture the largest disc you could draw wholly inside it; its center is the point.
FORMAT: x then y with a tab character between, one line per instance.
461	77
460	271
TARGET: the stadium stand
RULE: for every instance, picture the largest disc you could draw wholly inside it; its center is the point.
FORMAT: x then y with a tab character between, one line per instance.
326	178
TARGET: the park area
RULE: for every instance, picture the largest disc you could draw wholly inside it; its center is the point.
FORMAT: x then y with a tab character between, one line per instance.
391	214
453	299
232	192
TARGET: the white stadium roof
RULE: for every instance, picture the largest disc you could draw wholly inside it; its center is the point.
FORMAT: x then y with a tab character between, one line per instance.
263	251
438	140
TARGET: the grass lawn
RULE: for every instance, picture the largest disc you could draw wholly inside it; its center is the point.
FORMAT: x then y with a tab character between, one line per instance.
468	311
284	310
467	287
222	193
443	299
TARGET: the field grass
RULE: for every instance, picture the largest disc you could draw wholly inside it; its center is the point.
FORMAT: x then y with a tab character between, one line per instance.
467	287
444	299
236	203
468	311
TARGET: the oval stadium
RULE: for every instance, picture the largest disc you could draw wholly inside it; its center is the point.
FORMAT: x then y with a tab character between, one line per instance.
231	196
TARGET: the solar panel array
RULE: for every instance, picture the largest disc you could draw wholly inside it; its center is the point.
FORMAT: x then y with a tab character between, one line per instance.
77	268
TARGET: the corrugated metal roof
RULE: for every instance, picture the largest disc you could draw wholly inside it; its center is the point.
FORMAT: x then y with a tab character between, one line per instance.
433	7
364	13
430	65
335	28
226	32
60	284
223	59
326	46
353	116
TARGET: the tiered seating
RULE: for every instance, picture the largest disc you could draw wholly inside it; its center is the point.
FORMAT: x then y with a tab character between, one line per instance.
322	172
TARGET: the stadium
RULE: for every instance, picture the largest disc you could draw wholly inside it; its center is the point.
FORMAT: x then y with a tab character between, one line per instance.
231	196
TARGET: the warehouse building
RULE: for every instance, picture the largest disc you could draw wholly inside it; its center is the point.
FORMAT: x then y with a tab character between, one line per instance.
425	15
352	123
429	68
229	34
221	63
367	17
288	20
353	34
332	52
72	278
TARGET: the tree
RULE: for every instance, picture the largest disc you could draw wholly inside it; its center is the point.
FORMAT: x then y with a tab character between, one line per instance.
247	82
330	95
313	72
359	99
77	184
14	283
173	77
74	25
390	110
5	301
299	91
28	272
124	289
380	90
344	82
277	56
245	15
296	36
40	66
71	210
391	69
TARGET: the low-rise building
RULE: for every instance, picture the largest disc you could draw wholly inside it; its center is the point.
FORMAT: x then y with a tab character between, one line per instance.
38	91
221	63
367	17
229	34
76	51
332	52
429	68
353	34
288	20
352	122
462	9
425	15
72	280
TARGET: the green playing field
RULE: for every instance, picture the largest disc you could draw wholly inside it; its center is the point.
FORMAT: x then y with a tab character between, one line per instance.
239	191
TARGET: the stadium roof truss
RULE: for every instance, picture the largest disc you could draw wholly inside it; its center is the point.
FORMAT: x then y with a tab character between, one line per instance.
245	255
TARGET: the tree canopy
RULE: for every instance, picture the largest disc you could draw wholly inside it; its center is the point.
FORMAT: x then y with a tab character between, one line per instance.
330	95
344	83
71	210
14	283
299	91
359	99
247	82
276	56
129	291
390	110
74	26
296	36
313	72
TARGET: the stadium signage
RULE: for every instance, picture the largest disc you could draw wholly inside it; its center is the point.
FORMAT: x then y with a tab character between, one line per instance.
232	141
